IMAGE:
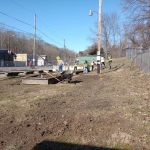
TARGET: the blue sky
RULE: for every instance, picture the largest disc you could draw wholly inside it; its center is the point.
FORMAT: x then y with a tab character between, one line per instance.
58	19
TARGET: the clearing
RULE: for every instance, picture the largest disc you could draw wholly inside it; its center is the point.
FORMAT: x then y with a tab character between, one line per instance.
98	112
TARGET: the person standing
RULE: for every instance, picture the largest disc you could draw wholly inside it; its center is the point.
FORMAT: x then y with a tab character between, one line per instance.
60	64
92	65
86	67
109	60
102	61
75	66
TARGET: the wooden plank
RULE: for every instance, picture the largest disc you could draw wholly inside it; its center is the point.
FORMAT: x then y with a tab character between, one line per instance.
35	81
39	81
3	74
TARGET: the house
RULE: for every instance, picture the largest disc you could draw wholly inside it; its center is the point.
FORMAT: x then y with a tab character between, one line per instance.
7	58
41	60
21	60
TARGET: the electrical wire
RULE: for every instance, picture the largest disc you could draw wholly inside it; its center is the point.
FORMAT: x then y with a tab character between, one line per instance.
12	27
30	26
16	19
20	5
33	12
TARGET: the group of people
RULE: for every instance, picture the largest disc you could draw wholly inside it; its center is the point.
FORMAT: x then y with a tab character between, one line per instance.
86	67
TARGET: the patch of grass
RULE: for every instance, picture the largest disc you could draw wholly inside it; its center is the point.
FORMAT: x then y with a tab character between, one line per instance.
123	147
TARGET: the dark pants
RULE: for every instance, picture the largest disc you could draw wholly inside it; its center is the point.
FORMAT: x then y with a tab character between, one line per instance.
92	67
60	68
75	68
110	62
103	64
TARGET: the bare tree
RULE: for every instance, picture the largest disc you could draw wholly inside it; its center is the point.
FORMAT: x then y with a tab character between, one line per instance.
114	25
23	43
139	22
140	9
106	31
110	33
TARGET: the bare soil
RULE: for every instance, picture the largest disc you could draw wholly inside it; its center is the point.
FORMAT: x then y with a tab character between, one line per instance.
110	110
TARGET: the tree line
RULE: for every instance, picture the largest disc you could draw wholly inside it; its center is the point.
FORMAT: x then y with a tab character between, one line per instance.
23	43
137	28
111	36
116	36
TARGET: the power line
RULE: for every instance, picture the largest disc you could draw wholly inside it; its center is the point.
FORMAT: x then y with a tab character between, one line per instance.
16	19
48	37
20	5
27	9
33	12
22	31
19	20
12	27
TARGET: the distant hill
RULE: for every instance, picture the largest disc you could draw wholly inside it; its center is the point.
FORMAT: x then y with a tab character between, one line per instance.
22	43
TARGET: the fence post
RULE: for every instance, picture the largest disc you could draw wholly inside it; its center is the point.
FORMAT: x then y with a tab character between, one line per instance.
149	59
135	56
130	54
141	60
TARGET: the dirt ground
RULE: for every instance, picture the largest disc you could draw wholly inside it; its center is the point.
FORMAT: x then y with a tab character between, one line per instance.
107	111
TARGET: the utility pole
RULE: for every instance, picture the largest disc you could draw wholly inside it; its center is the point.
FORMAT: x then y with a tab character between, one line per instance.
1	40
34	45
65	56
99	15
8	41
99	37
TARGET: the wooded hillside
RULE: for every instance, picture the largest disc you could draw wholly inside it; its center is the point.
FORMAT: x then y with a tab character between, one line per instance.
23	43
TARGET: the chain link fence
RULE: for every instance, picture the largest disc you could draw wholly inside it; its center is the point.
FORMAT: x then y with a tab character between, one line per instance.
140	57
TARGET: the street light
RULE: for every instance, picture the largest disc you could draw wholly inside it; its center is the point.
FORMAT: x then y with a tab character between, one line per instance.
91	12
99	35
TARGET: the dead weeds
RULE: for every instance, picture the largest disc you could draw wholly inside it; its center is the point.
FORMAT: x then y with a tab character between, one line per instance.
110	110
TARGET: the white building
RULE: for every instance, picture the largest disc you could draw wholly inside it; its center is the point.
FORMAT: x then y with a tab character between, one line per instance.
41	60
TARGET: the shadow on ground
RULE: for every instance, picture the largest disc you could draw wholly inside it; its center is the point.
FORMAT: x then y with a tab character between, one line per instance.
51	145
76	81
115	68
